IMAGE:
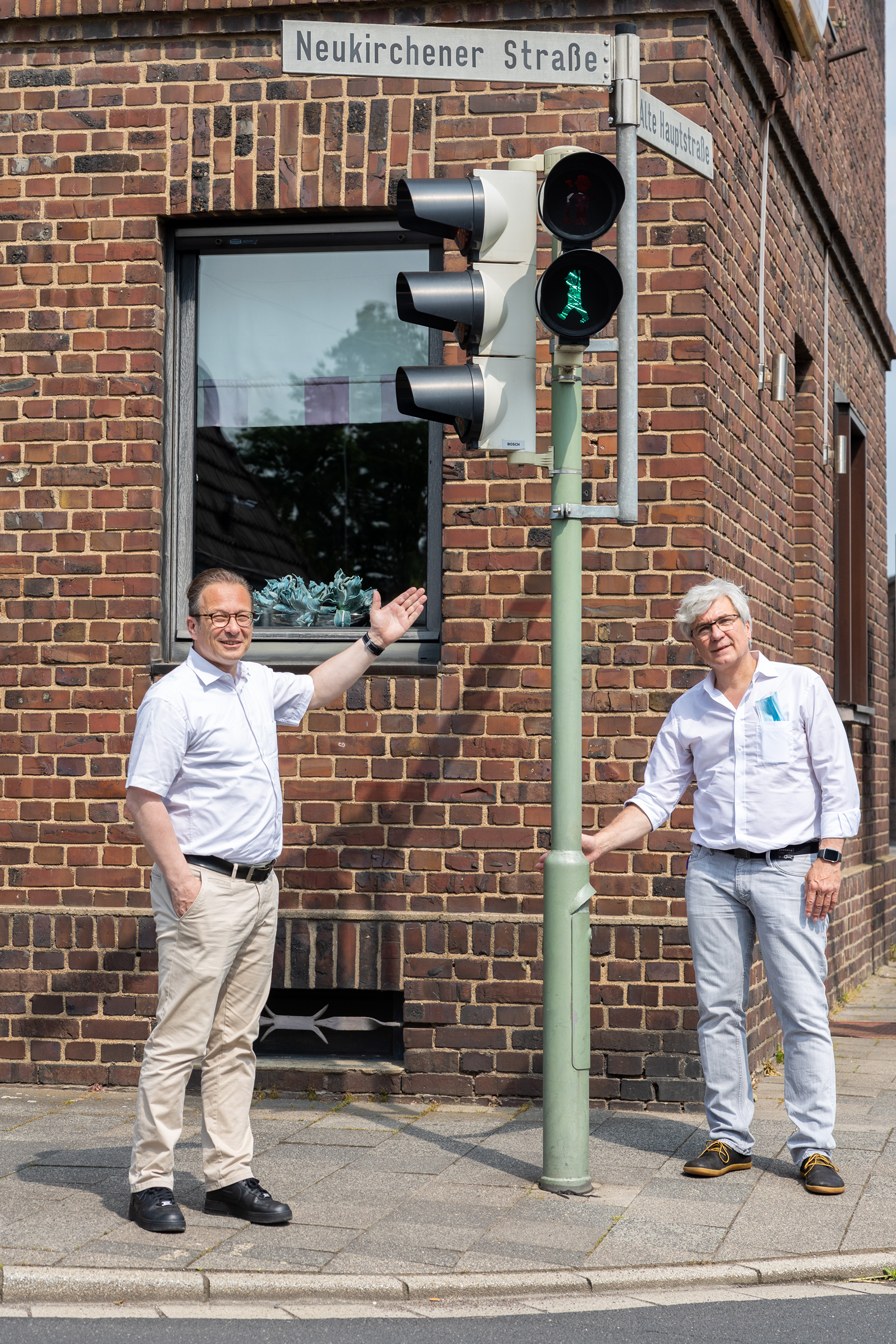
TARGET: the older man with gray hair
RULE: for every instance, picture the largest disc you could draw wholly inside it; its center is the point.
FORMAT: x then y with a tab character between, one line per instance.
775	796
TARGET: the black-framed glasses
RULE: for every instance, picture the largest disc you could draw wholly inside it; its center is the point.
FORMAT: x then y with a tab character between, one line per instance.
704	631
221	619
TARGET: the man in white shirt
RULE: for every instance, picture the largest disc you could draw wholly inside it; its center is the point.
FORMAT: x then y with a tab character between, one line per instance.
775	796
203	791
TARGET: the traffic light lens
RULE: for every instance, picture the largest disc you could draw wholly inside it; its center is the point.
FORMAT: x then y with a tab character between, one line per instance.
580	212
581	197
578	294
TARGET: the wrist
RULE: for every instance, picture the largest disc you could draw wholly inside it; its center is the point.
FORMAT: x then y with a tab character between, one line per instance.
181	882
830	849
372	645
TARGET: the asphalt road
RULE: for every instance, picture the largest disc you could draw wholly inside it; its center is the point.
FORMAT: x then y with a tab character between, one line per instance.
821	1319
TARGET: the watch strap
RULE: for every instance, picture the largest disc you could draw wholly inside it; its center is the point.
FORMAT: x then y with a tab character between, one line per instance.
371	647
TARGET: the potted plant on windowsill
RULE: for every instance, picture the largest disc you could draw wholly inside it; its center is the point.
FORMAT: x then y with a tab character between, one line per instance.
291	601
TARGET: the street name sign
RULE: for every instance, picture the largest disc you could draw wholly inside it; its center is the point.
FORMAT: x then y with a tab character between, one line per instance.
676	135
491	54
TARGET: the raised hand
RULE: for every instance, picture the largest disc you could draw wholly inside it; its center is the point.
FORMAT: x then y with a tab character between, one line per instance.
390	622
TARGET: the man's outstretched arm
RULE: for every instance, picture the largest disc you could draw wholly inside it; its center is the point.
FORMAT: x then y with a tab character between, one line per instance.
628	827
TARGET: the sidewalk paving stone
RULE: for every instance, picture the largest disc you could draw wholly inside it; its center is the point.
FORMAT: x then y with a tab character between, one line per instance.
407	1240
505	1256
28	1255
263	1255
480	1169
383	1260
644	1241
549	1235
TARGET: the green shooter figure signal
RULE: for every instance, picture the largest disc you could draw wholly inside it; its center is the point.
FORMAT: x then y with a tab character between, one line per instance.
581	289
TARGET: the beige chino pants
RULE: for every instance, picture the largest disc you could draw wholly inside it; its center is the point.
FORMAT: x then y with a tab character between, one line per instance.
214	977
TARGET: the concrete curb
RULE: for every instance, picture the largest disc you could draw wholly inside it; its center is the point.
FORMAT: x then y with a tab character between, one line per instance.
23	1285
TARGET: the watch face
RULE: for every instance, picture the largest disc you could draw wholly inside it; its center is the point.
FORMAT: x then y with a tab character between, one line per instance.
830	855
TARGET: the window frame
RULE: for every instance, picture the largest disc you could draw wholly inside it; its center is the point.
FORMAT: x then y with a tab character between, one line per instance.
419	649
852	662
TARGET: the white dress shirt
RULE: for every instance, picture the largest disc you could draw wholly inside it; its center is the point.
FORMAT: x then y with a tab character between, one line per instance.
206	743
773	772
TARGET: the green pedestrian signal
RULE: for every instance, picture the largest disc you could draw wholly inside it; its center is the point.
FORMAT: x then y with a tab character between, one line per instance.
578	294
573	297
581	289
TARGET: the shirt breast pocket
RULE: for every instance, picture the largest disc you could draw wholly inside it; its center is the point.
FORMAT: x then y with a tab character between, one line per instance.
775	742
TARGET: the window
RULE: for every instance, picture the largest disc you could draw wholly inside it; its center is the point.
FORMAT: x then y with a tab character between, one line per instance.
851	685
287	458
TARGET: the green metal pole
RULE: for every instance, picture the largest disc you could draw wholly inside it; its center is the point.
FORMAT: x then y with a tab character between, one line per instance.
567	893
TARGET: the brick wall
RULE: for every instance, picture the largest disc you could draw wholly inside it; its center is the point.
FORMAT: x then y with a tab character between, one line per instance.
418	809
891	664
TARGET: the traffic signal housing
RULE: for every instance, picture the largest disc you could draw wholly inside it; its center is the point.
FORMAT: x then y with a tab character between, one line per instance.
581	289
491	215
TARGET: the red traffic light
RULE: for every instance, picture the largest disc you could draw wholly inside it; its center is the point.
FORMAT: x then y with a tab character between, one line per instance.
581	197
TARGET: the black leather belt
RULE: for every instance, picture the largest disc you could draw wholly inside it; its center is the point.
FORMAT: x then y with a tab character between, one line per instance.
788	852
244	872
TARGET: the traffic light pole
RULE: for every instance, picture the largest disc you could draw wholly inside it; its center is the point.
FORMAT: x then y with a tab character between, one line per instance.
567	891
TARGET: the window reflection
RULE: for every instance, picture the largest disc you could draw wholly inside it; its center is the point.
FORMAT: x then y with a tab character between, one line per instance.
303	464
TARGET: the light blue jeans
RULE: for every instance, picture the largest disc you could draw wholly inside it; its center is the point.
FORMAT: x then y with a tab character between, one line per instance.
730	902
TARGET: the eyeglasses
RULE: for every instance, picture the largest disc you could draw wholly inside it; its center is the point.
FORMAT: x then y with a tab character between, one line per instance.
704	631
221	619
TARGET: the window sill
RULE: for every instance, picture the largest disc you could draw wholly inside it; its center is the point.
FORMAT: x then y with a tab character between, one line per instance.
411	657
862	714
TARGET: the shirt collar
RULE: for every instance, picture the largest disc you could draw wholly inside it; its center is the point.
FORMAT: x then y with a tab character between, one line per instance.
207	673
765	670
